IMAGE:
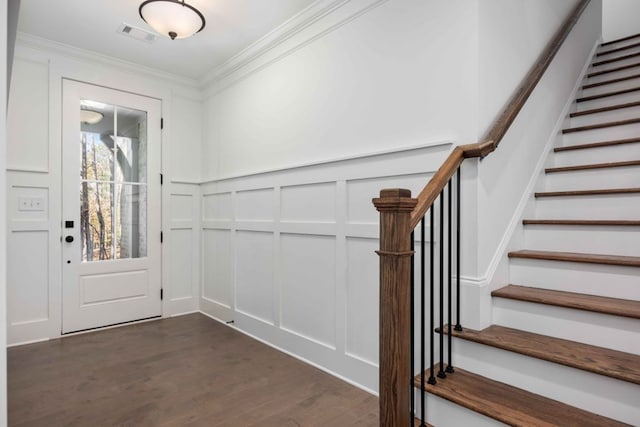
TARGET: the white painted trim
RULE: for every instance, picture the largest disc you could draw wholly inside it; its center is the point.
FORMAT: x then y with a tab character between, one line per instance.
295	356
331	160
18	344
26	169
185	313
40	43
527	193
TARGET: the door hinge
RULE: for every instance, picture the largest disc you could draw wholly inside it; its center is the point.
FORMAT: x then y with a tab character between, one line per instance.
161	179
161	294
161	237
162	123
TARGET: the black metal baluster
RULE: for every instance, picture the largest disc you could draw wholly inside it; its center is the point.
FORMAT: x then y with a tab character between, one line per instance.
441	373
449	274
422	281
412	329
458	210
432	378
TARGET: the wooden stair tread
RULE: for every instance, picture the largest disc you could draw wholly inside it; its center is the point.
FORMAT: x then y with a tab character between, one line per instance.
417	423
623	39
618	49
594	222
621	260
597	144
599	192
613	70
605	109
510	405
608	82
593	166
598	360
608	94
594	303
616	59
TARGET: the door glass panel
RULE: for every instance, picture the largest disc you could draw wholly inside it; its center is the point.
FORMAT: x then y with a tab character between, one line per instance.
132	145
131	221
113	185
96	225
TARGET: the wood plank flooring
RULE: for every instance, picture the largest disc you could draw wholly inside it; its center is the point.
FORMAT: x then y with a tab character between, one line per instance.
182	371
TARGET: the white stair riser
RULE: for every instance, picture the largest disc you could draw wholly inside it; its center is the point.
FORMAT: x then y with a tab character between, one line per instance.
590	392
442	413
604	117
615	64
613	153
592	279
612	75
598	207
619	177
603	134
602	330
611	87
628	51
590	239
607	101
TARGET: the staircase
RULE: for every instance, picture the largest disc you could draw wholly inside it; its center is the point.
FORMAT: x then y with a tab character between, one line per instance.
564	349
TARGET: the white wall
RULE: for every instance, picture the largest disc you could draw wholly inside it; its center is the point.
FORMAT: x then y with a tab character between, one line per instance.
34	169
620	19
3	217
372	75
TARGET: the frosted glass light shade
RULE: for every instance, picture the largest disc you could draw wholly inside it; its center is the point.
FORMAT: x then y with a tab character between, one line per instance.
172	18
90	117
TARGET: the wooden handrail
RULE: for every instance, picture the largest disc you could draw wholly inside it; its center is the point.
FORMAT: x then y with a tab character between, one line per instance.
501	125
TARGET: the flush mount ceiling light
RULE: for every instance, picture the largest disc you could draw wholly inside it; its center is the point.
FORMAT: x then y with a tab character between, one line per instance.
90	117
173	18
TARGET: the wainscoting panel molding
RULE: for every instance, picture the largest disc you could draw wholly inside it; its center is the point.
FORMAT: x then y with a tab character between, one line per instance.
289	255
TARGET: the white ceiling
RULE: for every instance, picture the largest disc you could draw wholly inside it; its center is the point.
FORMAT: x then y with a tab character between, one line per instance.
232	25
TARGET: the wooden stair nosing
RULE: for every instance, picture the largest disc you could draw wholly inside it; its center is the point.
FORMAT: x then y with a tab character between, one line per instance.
418	423
511	405
602	125
584	258
593	166
597	144
577	301
609	82
587	222
618	49
623	39
613	70
597	360
608	94
616	59
598	192
605	109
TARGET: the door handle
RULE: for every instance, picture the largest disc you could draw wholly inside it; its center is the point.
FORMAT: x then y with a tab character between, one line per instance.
68	239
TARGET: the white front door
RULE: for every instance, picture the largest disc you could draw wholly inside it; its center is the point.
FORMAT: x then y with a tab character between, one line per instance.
110	207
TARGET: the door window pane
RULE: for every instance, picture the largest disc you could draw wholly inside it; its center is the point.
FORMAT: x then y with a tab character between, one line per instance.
131	145
96	225
131	221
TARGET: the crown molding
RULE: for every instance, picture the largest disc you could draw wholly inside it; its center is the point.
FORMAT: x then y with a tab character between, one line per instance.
42	44
317	20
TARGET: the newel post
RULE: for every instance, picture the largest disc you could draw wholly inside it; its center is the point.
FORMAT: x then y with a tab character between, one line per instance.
395	206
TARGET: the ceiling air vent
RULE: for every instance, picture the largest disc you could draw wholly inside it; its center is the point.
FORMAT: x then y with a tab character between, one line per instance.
136	33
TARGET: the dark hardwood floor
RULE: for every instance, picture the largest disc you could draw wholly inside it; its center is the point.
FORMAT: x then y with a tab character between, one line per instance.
182	371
